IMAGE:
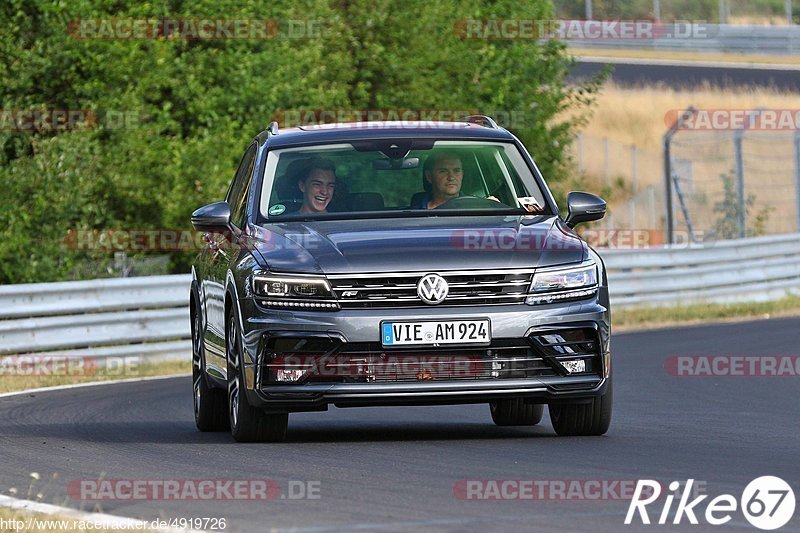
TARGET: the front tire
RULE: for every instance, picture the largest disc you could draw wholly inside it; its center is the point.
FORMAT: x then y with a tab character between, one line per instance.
593	418
247	423
515	412
210	403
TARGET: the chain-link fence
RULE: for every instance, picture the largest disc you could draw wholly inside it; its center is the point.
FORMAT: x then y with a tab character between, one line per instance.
735	184
629	177
725	184
606	159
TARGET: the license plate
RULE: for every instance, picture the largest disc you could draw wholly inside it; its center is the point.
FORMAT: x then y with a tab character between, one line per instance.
430	332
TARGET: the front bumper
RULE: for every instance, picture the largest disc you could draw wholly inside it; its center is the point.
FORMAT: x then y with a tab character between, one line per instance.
318	396
357	332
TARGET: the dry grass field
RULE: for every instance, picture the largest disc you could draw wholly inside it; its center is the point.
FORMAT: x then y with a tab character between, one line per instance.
11	381
627	117
637	115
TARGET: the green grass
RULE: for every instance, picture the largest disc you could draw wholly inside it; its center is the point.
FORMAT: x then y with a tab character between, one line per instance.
10	382
701	313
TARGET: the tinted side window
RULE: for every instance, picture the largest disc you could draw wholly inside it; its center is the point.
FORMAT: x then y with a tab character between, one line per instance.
237	196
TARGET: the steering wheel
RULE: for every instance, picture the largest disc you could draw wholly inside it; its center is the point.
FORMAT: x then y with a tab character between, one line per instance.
471	202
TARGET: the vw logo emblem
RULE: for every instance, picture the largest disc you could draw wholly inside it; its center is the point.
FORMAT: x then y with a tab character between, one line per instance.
432	289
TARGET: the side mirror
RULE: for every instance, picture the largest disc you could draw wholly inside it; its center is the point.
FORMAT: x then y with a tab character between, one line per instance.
584	207
214	217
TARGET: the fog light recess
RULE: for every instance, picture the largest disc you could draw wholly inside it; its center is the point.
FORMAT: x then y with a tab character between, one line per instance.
574	366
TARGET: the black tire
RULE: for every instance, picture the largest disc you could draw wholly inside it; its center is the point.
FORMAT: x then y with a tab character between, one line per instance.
247	423
210	403
515	412
591	418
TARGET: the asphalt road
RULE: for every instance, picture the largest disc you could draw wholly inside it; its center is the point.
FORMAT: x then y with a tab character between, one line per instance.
683	76
396	468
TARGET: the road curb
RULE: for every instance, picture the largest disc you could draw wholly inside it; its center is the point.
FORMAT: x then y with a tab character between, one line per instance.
106	521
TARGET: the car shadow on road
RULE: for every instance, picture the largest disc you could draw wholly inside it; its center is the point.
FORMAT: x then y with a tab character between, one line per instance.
420	431
164	432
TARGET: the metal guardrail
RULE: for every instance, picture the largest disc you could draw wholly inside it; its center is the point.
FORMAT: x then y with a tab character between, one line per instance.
704	37
756	269
148	316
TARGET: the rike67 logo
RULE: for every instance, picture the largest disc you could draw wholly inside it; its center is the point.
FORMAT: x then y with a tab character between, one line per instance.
767	503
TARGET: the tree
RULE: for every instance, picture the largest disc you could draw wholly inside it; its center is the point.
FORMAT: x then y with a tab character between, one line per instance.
728	210
189	107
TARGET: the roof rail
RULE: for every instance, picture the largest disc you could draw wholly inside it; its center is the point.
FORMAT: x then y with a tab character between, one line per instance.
273	128
483	120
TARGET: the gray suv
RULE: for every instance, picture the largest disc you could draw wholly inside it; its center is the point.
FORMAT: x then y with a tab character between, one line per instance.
397	264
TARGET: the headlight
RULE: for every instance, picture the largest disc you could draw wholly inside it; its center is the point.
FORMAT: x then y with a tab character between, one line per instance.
559	284
293	292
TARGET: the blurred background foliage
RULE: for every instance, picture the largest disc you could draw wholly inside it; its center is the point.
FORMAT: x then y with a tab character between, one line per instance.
191	106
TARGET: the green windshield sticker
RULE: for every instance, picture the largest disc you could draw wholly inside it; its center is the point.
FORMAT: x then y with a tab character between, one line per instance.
277	209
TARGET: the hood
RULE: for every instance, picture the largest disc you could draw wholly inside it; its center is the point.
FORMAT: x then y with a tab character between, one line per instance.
416	244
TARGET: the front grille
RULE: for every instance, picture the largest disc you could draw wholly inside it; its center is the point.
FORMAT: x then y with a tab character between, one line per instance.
495	287
370	363
322	358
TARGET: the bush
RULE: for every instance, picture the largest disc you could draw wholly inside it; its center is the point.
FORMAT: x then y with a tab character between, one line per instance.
192	105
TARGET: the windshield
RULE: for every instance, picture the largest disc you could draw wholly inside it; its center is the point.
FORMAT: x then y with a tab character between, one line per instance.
400	178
